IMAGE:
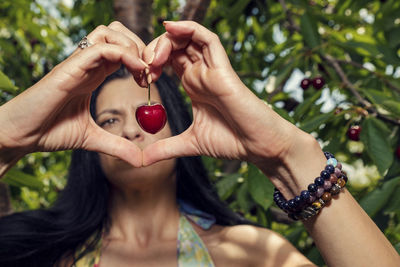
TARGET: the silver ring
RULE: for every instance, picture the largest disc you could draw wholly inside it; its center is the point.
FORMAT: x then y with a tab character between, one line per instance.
84	43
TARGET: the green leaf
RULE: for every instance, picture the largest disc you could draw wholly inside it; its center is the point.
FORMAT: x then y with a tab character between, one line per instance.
284	72
242	197
393	37
226	185
389	54
261	217
303	107
375	136
295	235
361	48
31	198
376	96
393	204
392	106
374	201
394	169
283	113
315	256
237	9
384	100
260	187
308	27
18	178
397	247
6	84
281	96
334	145
315	122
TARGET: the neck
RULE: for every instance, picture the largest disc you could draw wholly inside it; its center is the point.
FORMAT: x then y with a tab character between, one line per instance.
144	216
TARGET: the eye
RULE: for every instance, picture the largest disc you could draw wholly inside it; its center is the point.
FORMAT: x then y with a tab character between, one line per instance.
108	122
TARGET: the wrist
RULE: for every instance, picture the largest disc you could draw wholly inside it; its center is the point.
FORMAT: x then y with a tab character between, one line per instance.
297	167
317	195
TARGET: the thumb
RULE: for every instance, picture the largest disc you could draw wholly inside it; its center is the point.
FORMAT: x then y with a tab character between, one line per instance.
172	147
104	142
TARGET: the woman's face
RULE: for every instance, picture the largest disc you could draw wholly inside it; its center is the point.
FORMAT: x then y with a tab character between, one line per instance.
115	112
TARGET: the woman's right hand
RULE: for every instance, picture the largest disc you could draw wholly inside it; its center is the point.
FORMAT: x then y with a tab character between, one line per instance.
54	113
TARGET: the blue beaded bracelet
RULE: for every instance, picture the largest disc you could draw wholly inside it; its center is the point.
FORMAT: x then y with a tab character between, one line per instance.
331	180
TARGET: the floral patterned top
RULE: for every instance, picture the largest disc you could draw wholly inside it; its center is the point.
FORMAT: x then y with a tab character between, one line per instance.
191	251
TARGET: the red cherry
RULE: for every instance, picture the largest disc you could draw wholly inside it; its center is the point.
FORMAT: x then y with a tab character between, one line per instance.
398	152
318	82
151	118
354	132
305	83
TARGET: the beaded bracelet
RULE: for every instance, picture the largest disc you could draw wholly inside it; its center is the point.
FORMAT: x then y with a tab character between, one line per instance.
309	203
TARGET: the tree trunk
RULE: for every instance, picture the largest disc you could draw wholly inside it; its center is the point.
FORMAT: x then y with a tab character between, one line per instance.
195	10
5	204
136	15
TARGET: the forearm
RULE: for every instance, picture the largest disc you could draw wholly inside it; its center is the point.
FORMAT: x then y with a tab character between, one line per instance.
346	236
8	155
22	119
6	162
12	145
343	232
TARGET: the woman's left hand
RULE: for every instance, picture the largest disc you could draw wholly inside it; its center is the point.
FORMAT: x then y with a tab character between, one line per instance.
229	121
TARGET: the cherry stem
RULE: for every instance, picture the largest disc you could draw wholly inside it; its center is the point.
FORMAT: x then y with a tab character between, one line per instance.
148	95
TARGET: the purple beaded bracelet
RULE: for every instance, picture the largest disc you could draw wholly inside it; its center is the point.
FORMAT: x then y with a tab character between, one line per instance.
309	203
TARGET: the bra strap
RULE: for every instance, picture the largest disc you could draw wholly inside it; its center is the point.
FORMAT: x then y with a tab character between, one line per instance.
192	252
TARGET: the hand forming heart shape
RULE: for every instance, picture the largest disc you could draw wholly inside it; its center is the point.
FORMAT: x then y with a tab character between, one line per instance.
229	121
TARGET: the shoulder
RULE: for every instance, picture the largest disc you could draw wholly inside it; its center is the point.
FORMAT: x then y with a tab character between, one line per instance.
256	246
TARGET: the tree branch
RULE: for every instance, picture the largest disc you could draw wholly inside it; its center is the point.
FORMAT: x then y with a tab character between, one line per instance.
292	25
358	65
354	91
345	80
335	64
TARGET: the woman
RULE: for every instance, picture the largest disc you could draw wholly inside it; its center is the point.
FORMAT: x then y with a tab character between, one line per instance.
145	224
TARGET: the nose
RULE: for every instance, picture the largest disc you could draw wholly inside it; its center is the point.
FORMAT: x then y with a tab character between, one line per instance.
131	130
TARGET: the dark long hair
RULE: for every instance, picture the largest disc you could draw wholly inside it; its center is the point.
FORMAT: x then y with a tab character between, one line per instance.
43	237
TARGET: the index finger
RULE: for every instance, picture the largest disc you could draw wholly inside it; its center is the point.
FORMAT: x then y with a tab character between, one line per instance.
148	55
180	34
118	26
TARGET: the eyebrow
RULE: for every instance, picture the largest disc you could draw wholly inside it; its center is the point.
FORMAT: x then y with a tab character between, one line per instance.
112	111
118	112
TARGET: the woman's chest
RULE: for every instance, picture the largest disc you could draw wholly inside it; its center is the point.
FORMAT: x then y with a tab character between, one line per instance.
160	255
168	257
166	254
